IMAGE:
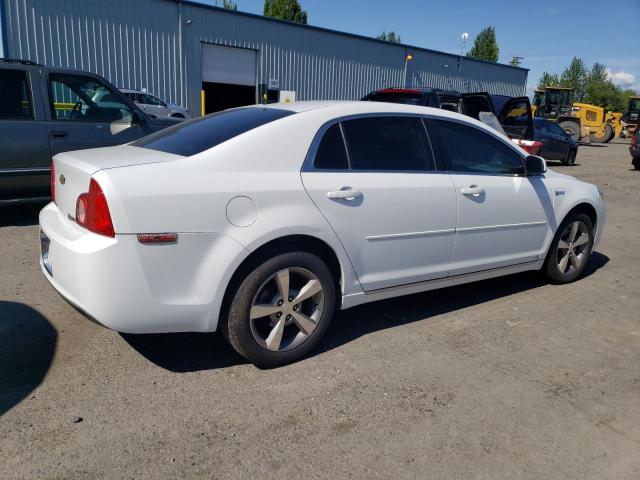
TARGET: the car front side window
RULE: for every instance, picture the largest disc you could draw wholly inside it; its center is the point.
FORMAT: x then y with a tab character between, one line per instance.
469	150
81	98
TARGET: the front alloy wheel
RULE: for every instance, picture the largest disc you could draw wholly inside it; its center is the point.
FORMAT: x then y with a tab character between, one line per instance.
570	250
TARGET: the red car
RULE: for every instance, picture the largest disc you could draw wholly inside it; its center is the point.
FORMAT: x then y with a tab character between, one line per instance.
634	149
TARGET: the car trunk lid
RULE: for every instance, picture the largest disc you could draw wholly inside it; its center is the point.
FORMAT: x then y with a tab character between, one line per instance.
73	170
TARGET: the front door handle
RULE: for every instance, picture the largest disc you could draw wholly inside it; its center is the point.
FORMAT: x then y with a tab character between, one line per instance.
59	134
346	194
473	190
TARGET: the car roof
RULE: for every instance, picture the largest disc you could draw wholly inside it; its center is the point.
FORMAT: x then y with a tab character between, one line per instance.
335	109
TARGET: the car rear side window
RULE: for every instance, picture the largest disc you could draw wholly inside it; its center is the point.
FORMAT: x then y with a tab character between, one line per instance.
332	154
16	101
388	143
195	136
469	150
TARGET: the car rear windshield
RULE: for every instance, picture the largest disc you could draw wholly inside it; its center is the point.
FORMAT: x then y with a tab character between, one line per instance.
409	98
195	136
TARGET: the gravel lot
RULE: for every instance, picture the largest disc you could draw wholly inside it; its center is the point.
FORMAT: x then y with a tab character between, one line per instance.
509	378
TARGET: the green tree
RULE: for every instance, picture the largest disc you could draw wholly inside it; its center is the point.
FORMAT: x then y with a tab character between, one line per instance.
598	73
228	4
485	46
575	76
603	94
389	37
548	80
285	10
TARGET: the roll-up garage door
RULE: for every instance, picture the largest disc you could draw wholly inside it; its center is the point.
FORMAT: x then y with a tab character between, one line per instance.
231	65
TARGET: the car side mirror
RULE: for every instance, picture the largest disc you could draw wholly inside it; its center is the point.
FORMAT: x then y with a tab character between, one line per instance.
535	165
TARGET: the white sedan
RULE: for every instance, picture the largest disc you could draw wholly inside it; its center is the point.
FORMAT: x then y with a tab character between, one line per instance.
262	221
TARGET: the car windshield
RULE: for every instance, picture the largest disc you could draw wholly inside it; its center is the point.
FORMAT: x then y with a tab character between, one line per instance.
410	98
195	136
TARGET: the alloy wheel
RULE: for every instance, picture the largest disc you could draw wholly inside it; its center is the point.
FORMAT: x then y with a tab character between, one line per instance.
286	309
572	248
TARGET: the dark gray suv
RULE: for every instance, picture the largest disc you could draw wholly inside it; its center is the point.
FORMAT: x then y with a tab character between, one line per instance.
48	110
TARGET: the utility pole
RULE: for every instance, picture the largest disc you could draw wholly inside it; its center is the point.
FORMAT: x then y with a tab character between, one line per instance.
516	60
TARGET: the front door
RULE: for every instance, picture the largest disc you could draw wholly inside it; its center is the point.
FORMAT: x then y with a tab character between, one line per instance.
503	215
392	212
86	113
516	118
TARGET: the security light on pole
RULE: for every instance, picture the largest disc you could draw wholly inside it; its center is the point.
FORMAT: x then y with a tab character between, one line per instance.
407	58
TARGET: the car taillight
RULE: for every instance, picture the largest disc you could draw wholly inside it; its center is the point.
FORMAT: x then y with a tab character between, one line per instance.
92	211
53	182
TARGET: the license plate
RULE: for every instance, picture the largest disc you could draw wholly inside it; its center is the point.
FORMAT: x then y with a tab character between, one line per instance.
44	250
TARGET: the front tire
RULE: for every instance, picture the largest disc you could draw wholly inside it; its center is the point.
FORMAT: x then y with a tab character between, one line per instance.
281	309
607	134
571	158
570	250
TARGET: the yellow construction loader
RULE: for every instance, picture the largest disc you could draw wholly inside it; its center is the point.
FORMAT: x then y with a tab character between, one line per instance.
580	120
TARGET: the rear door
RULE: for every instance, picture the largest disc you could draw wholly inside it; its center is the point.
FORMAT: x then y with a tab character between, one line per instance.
77	121
393	212
25	158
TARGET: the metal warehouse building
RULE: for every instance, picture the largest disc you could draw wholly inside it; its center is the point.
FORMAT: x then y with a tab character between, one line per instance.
184	52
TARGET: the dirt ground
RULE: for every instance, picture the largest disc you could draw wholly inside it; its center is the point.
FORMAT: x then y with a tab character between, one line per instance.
509	378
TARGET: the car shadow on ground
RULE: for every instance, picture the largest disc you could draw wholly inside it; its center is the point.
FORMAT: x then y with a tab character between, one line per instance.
185	352
20	214
357	322
27	346
190	352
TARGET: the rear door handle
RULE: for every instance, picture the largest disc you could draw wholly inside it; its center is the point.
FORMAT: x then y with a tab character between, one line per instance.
346	194
473	190
59	134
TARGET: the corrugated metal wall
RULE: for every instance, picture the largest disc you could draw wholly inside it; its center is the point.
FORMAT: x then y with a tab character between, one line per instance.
138	44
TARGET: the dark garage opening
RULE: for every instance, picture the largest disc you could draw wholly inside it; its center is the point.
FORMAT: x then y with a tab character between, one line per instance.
220	96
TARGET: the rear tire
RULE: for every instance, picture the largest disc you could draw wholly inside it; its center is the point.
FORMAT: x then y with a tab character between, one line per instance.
572	128
570	249
281	309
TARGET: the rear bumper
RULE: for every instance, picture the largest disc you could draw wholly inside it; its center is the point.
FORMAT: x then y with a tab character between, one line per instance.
135	288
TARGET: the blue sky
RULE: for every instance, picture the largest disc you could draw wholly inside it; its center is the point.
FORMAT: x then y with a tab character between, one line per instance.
547	33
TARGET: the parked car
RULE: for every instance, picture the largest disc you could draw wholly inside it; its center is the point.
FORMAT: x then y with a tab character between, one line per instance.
47	110
513	113
556	143
262	221
634	149
151	104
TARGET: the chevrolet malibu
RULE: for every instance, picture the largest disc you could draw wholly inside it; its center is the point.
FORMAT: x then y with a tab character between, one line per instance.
263	221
